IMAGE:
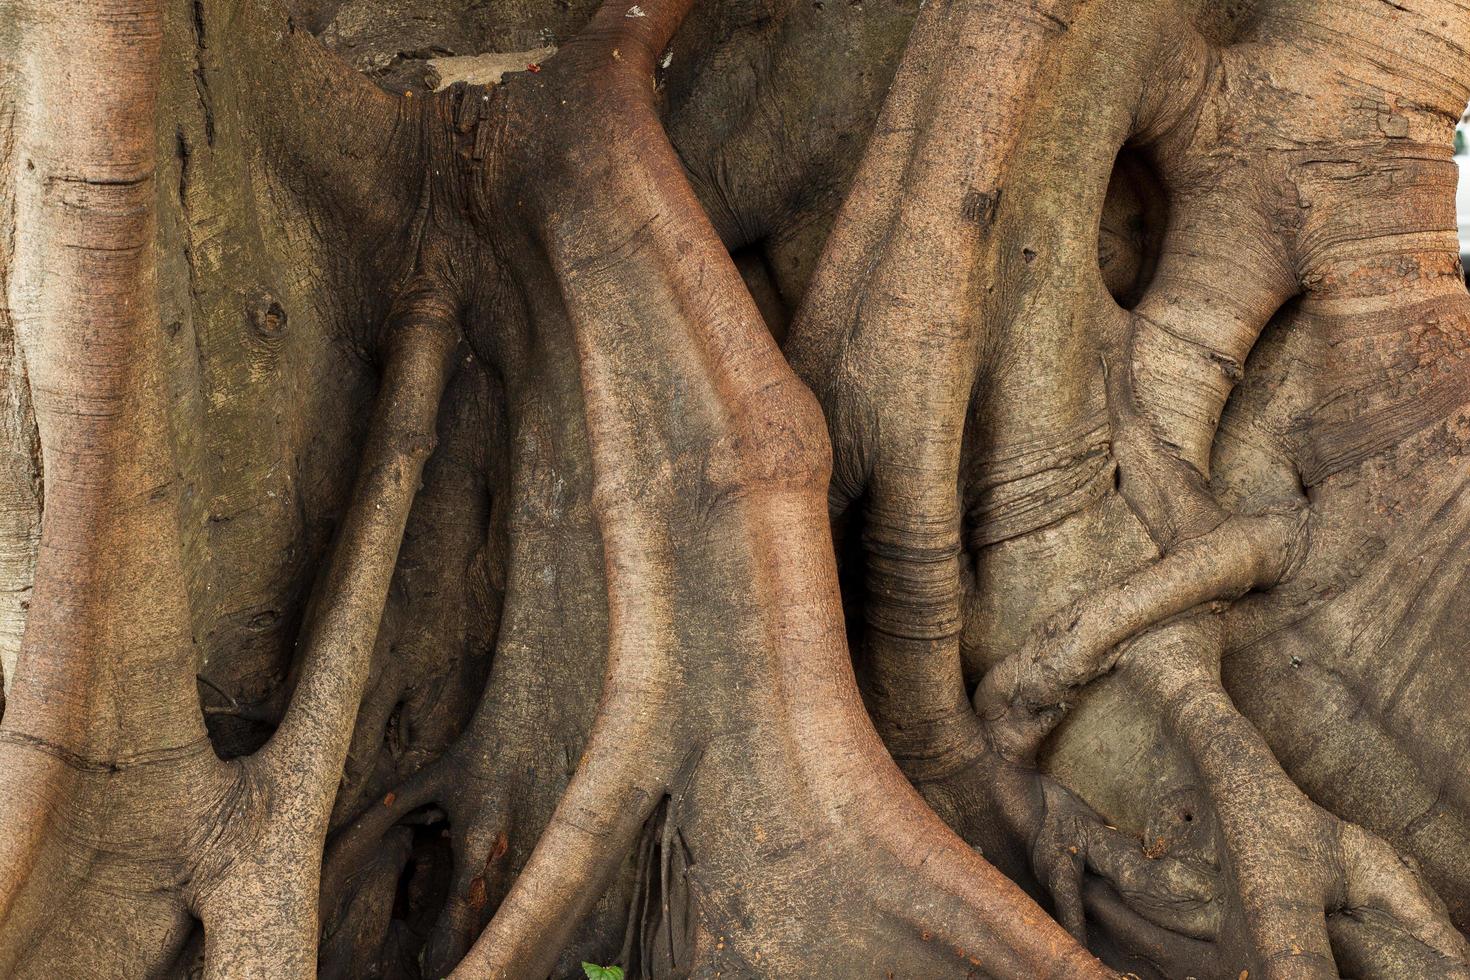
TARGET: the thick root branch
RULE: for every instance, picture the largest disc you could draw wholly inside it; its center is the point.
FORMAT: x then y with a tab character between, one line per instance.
1290	862
308	747
1021	699
260	913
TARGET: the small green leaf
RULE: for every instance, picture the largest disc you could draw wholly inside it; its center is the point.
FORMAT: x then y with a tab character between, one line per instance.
595	972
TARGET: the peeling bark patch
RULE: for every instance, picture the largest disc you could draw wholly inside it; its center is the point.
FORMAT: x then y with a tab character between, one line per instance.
483	69
980	207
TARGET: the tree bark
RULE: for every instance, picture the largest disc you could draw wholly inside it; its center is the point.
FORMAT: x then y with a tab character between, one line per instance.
760	489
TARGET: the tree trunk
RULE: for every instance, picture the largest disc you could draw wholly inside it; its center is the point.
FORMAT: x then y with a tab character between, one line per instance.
867	488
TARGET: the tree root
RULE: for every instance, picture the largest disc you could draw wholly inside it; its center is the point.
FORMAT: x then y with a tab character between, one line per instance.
1169	368
497	783
716	554
715	558
106	662
297	770
1292	864
1022	698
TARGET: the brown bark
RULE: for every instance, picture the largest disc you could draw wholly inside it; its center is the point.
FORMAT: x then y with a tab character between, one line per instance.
772	489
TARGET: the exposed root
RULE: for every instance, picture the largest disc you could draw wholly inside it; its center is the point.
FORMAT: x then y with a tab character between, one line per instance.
106	662
979	772
259	909
1168	891
1136	939
155	812
1010	810
350	848
726	564
343	618
1021	699
478	854
894	299
1182	352
1291	863
341	955
594	827
1382	887
716	561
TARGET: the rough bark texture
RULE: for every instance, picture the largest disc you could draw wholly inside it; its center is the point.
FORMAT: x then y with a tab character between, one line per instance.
857	487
